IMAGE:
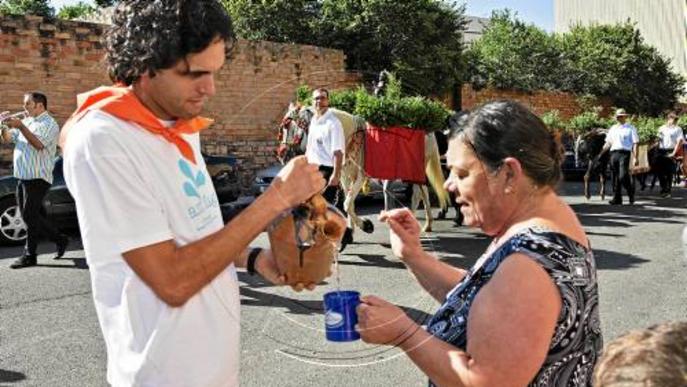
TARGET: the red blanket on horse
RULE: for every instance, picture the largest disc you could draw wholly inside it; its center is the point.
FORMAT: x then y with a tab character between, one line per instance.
395	153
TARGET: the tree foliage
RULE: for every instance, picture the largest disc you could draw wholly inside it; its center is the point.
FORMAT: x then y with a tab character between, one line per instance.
614	60
283	21
420	40
513	55
601	60
75	11
27	7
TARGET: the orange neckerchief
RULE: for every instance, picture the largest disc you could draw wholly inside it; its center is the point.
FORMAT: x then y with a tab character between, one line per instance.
122	103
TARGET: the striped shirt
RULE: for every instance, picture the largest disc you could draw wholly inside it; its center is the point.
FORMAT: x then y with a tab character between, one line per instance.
29	162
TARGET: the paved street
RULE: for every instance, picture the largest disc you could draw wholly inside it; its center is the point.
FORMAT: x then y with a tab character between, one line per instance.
49	335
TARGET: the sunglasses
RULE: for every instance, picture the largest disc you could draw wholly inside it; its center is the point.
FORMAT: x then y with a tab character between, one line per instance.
320	97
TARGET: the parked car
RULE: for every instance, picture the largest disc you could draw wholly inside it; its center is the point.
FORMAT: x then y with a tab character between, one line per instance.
402	191
60	208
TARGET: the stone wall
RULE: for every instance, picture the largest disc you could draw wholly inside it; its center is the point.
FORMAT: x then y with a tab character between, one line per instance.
64	58
540	101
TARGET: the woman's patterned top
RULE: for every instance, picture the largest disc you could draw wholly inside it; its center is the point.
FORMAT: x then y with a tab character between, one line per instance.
577	342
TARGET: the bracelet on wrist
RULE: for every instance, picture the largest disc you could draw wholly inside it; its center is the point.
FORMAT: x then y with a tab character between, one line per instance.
252	257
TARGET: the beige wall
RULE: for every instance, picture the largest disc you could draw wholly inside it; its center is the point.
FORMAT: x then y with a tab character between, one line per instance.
663	23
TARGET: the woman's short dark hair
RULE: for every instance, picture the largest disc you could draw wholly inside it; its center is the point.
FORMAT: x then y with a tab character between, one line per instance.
501	129
147	36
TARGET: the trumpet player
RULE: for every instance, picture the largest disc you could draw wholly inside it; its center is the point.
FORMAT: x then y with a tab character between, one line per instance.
35	138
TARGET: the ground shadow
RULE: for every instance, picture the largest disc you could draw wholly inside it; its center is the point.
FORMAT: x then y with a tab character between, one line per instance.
253	297
10	252
612	260
11	376
375	260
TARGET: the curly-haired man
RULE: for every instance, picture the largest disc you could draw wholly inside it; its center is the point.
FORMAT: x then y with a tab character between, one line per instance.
162	262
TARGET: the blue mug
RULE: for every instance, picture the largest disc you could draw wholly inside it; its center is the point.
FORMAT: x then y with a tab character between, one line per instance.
340	316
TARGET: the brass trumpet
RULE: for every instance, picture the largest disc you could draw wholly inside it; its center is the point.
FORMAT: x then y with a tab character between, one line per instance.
7	115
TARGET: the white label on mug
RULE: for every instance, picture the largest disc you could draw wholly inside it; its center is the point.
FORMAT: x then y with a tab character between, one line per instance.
333	319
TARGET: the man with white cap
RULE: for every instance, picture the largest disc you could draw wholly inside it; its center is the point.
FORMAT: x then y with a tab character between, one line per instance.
622	140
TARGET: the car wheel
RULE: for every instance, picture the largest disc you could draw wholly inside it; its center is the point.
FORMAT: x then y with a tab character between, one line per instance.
12	226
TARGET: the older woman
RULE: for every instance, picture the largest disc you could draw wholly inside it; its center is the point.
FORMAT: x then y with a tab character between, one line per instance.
527	311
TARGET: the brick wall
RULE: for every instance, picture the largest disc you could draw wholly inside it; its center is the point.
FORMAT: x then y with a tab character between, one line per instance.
64	58
539	102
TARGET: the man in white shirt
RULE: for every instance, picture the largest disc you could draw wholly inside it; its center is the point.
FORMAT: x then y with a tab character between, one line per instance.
671	138
162	263
326	147
622	141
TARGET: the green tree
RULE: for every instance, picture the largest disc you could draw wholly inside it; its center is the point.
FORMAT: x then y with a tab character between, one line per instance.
27	7
283	21
614	61
603	61
420	40
75	11
513	55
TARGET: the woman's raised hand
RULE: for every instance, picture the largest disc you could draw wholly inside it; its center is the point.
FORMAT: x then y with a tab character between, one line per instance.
404	233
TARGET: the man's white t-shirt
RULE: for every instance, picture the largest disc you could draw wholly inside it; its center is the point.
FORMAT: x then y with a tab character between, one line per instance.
133	189
325	136
622	137
669	136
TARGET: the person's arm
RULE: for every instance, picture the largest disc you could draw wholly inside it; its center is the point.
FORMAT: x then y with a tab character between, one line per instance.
635	147
510	326
176	273
336	173
30	137
678	146
436	277
338	146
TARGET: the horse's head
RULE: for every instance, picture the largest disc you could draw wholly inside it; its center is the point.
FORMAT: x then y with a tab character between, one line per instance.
293	132
589	145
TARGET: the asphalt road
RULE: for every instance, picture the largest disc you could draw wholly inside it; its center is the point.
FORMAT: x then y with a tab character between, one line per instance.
49	334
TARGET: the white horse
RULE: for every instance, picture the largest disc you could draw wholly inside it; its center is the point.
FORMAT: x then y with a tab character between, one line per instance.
352	174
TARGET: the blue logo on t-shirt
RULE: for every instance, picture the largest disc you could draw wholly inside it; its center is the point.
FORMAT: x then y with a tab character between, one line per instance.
194	182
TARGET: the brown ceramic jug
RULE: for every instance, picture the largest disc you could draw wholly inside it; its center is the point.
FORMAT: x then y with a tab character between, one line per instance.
304	241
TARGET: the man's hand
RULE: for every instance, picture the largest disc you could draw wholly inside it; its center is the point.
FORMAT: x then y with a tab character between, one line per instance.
14	123
334	181
266	266
297	182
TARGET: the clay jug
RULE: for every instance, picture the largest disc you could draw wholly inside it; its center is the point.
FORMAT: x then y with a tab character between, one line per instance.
304	241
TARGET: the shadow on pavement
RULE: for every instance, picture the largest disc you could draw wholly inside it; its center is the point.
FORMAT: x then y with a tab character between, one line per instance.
11	376
611	260
375	260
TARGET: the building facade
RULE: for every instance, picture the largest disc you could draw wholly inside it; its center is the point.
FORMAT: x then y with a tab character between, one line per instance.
663	23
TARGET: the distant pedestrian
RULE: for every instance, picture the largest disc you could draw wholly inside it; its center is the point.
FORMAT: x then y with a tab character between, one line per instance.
35	139
622	141
671	138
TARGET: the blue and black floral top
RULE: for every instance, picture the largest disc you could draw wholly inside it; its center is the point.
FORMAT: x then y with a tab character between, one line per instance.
577	342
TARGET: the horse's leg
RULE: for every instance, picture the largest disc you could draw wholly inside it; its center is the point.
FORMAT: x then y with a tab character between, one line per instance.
353	218
586	185
602	181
